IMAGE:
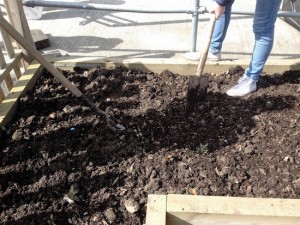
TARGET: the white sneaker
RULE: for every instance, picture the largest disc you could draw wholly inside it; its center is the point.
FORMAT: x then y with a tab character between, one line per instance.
245	86
214	56
195	56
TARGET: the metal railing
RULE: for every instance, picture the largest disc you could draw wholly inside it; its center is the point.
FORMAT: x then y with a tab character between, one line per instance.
193	11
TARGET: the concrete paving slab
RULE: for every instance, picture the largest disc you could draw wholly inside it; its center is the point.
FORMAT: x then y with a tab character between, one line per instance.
79	32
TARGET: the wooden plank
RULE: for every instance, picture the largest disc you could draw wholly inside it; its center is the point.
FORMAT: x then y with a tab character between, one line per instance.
253	210
156	210
234	205
5	77
218	219
180	66
24	23
13	15
14	43
10	49
7	41
11	64
2	61
2	96
9	12
9	105
19	22
9	82
18	70
40	40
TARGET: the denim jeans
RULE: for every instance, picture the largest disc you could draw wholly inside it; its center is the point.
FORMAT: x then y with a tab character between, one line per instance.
220	31
263	28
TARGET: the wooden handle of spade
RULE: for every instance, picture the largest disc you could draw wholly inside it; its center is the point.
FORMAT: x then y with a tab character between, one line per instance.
204	53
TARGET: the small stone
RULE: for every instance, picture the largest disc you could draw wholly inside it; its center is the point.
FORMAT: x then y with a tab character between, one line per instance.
255	139
256	118
249	190
17	135
262	171
272	192
150	156
249	149
289	159
120	127
297	183
52	116
95	219
203	174
131	205
110	215
69	200
224	171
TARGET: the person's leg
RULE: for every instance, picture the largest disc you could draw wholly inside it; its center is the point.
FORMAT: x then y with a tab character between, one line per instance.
263	28
220	31
218	36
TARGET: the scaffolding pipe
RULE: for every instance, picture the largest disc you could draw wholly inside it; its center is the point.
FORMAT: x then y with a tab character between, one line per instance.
195	18
90	6
77	5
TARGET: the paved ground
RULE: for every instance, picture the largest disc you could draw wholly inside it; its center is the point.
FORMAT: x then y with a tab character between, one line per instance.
137	35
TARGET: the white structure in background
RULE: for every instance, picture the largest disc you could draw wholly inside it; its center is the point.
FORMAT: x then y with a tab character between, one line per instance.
33	13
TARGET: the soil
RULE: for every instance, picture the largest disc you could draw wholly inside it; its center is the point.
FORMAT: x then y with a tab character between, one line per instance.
61	164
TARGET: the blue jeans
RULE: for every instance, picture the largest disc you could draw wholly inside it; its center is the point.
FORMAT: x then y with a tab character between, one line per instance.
263	28
220	31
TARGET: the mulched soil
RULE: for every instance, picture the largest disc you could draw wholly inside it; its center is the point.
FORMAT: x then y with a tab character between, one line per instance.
61	164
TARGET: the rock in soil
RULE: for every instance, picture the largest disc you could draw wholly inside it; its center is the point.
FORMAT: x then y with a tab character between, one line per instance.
110	215
131	205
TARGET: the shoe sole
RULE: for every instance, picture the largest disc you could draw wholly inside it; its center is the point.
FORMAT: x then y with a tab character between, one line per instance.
210	59
238	95
195	56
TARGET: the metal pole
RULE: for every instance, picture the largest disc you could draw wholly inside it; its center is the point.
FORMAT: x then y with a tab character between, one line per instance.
195	14
195	17
197	9
77	5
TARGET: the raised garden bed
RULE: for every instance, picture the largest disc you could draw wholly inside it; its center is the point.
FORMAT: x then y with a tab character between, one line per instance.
60	164
175	209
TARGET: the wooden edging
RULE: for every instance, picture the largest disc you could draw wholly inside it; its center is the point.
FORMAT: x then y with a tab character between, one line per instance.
10	65
214	210
180	66
156	210
26	82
